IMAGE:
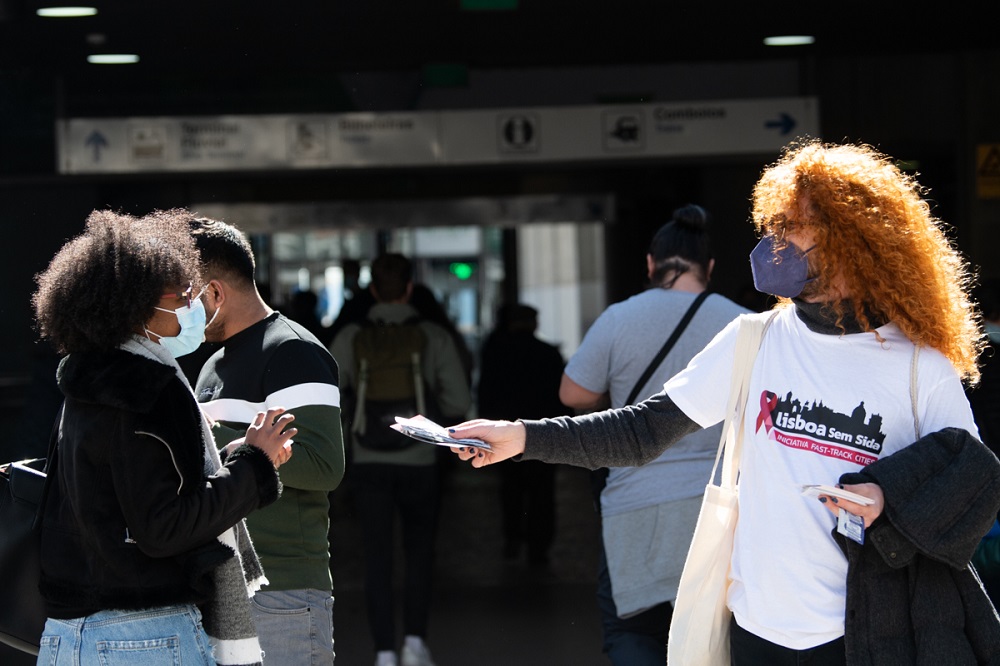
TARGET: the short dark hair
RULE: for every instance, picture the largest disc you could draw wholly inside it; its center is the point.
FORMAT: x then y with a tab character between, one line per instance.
681	243
391	273
106	282
517	317
224	251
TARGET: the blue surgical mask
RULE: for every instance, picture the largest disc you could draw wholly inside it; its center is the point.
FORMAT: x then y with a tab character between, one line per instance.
192	321
783	272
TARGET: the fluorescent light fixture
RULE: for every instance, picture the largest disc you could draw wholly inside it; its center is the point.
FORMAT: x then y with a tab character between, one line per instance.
112	59
66	12
789	40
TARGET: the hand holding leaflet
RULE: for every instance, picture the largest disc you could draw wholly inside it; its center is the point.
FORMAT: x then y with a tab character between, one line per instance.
425	430
815	490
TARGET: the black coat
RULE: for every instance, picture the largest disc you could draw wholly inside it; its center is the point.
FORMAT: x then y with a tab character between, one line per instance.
912	597
132	519
520	377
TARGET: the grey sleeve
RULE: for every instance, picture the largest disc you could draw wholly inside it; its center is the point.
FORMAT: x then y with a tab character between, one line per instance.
590	365
625	437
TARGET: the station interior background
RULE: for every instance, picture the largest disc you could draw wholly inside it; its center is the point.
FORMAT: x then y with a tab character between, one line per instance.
565	235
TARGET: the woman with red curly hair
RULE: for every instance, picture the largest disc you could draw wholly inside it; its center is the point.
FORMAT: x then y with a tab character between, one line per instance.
858	383
877	244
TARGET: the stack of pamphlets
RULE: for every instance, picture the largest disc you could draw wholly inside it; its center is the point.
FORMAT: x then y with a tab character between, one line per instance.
425	430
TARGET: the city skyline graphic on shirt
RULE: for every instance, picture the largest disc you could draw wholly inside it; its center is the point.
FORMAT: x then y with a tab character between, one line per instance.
812	425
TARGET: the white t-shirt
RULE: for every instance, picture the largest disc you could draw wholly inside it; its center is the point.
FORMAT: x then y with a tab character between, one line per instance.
819	406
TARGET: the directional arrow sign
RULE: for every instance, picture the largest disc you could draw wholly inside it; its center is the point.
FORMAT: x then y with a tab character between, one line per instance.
435	138
786	123
96	141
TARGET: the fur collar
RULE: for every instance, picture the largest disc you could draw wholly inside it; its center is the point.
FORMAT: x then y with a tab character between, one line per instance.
116	378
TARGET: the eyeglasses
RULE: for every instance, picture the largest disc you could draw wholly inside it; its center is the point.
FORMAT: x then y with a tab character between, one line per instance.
187	294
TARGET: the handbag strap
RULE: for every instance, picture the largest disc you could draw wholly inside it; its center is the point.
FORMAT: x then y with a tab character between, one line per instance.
665	349
748	339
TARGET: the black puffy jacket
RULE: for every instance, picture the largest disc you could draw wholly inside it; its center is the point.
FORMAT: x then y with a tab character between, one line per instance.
132	519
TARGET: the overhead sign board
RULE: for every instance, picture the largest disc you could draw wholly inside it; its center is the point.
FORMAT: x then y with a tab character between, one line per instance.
433	138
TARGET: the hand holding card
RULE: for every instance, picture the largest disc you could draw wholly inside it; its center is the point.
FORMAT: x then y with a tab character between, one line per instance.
815	490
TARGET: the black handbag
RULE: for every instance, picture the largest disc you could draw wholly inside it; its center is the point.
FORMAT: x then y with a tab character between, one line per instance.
23	489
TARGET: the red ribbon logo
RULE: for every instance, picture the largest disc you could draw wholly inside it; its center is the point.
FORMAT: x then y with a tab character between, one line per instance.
768	401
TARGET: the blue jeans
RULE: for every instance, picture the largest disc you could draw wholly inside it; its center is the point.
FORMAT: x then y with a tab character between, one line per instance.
638	640
166	636
295	626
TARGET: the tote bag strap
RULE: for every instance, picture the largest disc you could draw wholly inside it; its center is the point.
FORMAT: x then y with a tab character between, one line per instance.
913	390
748	339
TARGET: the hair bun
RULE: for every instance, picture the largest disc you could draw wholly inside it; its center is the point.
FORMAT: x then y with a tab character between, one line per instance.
692	217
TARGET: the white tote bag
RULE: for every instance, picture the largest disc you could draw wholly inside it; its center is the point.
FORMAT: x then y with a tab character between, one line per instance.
699	630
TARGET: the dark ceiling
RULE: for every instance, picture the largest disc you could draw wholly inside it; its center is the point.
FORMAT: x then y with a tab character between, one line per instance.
222	56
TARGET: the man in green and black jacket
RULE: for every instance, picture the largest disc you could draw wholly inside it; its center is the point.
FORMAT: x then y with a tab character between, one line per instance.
266	360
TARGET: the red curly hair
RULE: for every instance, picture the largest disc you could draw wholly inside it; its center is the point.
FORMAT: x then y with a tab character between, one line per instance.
876	237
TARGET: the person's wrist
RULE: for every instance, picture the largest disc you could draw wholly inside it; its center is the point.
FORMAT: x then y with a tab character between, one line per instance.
522	439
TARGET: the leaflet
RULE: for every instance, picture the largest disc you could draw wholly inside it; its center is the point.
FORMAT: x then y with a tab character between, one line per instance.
815	490
423	429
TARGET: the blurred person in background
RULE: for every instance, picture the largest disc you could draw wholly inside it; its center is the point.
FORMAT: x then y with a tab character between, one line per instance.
391	473
519	375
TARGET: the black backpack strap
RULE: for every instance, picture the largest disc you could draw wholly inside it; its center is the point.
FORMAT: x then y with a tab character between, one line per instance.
655	363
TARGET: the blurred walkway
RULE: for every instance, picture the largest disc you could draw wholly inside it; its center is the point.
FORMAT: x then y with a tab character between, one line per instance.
487	612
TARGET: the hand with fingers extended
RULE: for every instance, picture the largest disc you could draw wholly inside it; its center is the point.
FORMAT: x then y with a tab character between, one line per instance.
867	512
506	440
271	433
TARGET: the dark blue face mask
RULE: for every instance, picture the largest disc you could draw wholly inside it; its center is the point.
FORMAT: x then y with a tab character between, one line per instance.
783	272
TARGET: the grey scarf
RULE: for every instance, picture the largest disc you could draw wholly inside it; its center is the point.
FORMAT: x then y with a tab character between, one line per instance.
226	617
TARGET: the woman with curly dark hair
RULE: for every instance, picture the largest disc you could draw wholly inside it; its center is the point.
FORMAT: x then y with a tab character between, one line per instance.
144	551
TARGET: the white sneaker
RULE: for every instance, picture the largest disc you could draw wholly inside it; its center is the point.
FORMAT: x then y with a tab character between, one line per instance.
386	658
415	653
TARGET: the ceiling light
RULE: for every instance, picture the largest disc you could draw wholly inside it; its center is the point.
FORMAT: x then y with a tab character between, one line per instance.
66	12
789	40
112	58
